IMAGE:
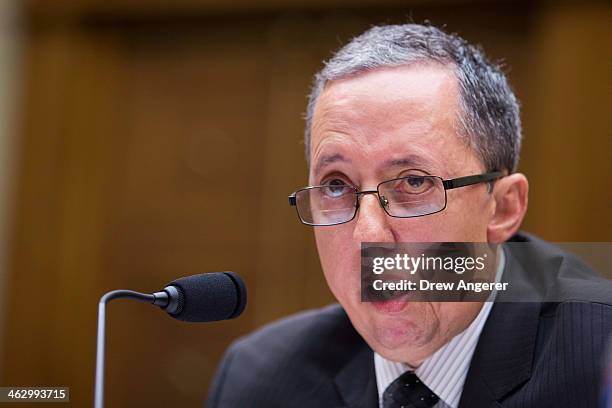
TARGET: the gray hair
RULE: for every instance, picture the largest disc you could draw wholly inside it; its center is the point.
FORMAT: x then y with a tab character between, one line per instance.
488	120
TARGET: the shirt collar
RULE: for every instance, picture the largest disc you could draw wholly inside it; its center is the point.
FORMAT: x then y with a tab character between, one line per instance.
445	370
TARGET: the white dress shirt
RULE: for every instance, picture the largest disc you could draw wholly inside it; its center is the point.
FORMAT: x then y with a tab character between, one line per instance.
445	370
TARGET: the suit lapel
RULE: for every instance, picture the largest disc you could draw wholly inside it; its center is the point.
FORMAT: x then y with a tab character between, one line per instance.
503	358
504	354
356	381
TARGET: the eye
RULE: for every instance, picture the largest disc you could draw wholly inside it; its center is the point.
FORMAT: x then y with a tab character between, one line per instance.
414	184
415	181
336	188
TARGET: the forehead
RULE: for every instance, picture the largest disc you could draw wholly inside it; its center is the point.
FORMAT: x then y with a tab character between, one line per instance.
391	115
419	87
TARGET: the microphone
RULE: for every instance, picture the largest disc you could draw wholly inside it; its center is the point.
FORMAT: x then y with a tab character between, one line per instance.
206	297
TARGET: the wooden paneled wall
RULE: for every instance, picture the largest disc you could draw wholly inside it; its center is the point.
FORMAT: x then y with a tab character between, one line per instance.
158	145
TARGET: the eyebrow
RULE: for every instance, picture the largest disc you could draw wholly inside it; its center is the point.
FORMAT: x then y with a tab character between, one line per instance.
412	160
408	161
326	160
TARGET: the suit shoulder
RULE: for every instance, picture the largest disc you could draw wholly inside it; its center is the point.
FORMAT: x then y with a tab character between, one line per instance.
557	273
295	358
303	335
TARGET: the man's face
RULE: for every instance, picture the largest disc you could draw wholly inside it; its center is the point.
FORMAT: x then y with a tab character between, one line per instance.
377	126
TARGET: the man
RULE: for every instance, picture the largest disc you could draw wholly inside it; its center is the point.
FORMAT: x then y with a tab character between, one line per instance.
414	104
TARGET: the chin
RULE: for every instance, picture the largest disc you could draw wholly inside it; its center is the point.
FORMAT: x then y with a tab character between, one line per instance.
394	334
401	333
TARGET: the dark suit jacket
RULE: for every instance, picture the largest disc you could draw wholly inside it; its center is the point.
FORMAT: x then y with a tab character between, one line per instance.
535	354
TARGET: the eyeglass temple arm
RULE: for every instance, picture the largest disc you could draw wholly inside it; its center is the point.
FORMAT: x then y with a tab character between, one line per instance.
469	180
292	201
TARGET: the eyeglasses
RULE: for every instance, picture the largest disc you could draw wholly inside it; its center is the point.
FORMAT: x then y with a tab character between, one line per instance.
404	197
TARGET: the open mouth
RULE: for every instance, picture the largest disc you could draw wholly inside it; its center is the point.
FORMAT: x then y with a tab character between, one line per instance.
392	306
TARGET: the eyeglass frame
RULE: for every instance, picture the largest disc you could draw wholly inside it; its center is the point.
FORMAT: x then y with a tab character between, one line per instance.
448	184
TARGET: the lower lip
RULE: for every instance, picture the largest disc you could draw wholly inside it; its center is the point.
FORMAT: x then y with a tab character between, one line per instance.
391	306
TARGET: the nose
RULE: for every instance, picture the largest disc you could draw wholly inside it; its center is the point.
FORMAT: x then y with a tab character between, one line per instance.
372	224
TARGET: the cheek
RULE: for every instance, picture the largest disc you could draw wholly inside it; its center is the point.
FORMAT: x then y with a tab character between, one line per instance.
441	227
340	259
471	214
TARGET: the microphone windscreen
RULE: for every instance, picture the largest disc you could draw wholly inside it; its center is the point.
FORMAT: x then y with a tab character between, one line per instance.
208	297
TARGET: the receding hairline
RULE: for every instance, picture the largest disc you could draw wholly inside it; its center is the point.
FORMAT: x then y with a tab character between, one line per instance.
490	112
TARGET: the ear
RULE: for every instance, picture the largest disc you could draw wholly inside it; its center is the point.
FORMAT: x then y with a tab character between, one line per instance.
510	195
